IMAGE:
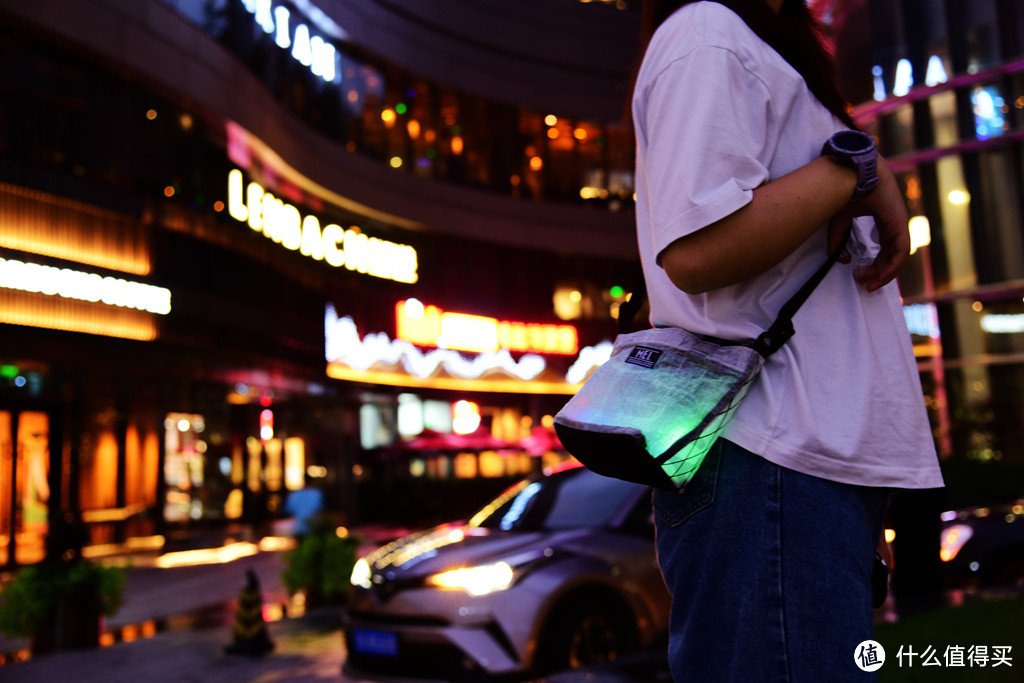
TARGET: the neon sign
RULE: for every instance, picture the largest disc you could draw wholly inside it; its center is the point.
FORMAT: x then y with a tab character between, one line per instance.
376	359
283	223
430	326
74	284
356	358
309	49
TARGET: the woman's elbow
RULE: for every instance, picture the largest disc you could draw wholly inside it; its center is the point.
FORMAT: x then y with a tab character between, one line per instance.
687	275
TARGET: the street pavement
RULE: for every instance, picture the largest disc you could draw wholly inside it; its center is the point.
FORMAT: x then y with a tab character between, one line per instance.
175	622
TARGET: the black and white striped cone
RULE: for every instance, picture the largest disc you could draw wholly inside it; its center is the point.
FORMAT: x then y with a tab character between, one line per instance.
250	631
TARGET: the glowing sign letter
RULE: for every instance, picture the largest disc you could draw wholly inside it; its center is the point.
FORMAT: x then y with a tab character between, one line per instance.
936	72
302	50
312	242
254	204
904	78
323	58
272	224
357	251
333	236
236	206
291	227
281	38
263	16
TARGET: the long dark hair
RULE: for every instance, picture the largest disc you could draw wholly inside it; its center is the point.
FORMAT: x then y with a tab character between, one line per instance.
794	33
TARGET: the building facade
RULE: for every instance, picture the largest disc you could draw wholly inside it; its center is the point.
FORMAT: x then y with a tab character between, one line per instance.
939	83
252	244
247	246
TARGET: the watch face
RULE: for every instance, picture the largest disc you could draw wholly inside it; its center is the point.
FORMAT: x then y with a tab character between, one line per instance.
852	141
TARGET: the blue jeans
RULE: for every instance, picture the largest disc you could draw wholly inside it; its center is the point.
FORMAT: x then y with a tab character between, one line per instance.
770	572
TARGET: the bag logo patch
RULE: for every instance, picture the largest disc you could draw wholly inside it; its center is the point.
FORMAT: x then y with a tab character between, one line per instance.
643	356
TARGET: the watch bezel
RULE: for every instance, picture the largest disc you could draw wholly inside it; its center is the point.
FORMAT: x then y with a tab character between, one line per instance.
856	149
841	142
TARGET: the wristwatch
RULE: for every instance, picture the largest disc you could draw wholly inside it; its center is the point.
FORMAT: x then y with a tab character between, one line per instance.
857	150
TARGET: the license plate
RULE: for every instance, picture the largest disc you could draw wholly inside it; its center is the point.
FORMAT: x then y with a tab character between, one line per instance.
370	642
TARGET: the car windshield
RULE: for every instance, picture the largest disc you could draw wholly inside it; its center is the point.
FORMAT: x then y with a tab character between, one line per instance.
566	500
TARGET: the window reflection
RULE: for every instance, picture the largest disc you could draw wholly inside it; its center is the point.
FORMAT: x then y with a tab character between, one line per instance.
427	129
24	480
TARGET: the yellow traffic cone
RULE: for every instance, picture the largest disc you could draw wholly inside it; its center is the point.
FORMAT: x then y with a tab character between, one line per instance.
250	631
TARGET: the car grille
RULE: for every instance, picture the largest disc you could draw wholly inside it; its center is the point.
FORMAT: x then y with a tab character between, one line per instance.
371	618
417	660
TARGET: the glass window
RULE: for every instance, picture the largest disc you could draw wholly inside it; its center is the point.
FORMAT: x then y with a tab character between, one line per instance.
382	110
998	243
184	466
987	403
6	486
982	35
991	112
956	243
943	110
571	499
30	460
898	131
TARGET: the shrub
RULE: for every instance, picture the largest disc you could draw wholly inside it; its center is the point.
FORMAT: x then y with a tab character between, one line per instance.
321	564
32	597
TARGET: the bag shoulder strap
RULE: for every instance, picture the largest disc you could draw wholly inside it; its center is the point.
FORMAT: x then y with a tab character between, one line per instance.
769	341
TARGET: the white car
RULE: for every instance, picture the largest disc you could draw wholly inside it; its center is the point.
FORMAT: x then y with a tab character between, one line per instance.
558	572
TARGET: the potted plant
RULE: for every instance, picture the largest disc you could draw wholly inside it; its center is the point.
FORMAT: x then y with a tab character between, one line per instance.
321	564
58	605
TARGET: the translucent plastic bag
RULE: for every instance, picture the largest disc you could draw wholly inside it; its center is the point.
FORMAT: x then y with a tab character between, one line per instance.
651	413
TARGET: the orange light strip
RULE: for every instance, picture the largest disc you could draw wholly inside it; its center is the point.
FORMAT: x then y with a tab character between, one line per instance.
494	385
45	224
57	313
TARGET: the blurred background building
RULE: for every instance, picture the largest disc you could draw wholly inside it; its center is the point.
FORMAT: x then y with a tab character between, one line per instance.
370	245
939	84
248	245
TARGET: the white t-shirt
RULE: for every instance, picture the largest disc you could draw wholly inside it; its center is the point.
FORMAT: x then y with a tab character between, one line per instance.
717	113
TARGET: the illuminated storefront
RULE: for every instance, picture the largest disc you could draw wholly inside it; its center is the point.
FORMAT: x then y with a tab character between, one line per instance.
24	485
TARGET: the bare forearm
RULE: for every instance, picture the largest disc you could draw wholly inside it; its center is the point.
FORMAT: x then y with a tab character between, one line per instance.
779	218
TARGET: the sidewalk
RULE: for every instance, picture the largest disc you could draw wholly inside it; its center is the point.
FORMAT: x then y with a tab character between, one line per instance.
174	623
307	649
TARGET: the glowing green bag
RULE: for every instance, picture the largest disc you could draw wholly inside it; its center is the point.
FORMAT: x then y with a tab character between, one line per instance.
651	413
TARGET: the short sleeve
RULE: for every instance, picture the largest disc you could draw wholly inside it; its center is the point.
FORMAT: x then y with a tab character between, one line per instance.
703	140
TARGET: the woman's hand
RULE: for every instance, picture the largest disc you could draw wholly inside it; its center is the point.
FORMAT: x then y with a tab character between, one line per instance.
885	205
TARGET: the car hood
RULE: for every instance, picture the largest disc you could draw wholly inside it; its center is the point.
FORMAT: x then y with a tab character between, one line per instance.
453	545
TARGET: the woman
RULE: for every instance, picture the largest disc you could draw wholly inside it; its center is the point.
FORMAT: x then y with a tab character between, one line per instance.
768	552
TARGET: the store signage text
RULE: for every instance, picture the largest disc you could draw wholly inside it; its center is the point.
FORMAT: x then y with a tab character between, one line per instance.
904	78
74	284
430	326
309	49
283	223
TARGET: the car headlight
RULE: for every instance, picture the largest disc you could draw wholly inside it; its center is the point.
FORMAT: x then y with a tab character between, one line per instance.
481	580
953	539
361	574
